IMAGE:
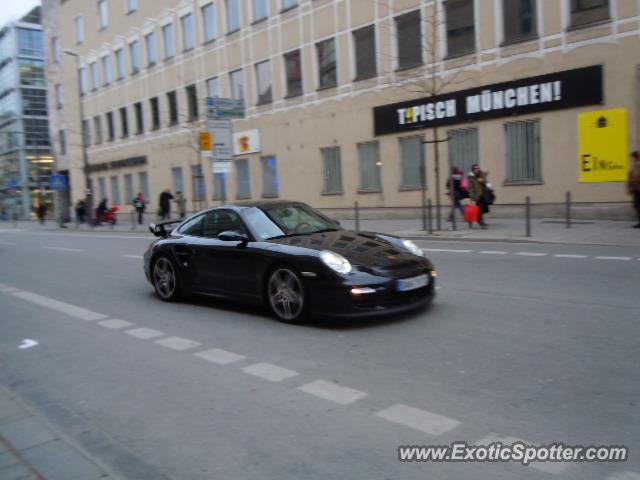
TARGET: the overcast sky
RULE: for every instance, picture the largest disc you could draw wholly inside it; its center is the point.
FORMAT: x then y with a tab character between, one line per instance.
14	9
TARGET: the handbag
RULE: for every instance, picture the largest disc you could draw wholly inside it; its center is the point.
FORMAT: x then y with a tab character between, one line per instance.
471	213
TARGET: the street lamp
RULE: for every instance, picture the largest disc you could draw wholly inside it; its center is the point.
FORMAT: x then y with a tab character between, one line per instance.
85	158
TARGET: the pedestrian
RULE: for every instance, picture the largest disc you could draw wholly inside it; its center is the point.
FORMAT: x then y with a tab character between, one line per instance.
181	203
165	204
81	211
41	211
634	184
139	204
456	192
477	189
100	211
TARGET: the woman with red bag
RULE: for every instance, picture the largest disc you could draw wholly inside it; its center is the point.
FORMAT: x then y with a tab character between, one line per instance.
477	187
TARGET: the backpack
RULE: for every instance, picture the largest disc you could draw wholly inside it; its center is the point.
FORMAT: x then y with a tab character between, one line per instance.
489	196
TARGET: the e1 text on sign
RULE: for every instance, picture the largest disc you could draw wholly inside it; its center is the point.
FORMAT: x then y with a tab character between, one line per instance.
603	146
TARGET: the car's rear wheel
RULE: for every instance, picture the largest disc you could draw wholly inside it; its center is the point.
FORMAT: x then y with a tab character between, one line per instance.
286	295
165	279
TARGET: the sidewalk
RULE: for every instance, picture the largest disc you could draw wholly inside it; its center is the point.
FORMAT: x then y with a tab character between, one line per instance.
31	449
587	232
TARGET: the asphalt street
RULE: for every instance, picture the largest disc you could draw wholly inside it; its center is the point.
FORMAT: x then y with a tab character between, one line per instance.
524	341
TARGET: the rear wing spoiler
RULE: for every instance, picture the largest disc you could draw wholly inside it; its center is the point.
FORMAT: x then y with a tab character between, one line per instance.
159	230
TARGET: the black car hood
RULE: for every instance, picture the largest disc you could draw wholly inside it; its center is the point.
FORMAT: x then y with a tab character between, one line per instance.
370	251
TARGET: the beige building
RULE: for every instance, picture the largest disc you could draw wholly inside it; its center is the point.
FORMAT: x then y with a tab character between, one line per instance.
504	81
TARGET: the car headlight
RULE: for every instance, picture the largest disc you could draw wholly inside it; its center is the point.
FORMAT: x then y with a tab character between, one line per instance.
335	262
413	248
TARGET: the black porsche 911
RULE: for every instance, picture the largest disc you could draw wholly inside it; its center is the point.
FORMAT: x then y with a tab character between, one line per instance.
289	257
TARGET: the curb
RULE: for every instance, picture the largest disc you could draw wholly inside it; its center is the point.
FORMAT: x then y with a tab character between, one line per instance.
507	240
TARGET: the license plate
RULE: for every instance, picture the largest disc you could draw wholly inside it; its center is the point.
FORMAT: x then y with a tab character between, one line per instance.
406	284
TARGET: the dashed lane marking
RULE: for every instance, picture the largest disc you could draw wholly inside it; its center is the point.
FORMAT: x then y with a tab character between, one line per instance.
612	258
8	289
72	310
531	254
178	343
8	243
219	356
64	249
270	372
494	252
137	257
144	333
115	324
417	419
568	255
445	250
333	392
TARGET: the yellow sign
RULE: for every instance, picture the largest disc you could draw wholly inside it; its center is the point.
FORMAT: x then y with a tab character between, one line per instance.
603	144
205	141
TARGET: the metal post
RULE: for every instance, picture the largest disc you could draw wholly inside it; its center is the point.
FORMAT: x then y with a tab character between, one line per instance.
430	216
528	215
568	210
357	212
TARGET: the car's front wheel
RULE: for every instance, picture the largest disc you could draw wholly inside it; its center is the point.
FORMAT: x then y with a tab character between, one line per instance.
165	279
286	295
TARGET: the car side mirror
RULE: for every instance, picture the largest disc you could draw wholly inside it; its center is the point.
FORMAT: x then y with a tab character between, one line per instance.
230	236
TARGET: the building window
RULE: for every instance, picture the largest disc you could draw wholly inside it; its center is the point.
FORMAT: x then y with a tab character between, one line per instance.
143	184
197	182
150	44
176	175
293	67
260	9
132	6
460	27
97	129
332	170
30	42
172	102
409	35
233	15
584	12
63	142
115	190
169	41
102	187
111	129
364	41
137	108
129	194
326	63
463	148
59	96
82	75
192	102
95	79
213	87
519	20
134	52
269	177
55	49
243	179
107	78
120	63
155	113
411	153
370	167
188	32
219	186
263	77
237	84
103	19
523	151
79	29
287	4
209	22
124	124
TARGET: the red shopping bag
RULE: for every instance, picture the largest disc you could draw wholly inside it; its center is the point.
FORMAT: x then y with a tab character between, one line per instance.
471	213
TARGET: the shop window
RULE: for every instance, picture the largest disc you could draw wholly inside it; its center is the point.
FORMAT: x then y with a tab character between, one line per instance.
460	27
411	153
115	190
143	184
523	152
176	176
270	187
463	148
128	189
370	167
243	179
332	170
219	186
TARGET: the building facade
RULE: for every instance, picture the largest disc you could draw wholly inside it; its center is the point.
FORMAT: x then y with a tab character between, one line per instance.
344	99
25	156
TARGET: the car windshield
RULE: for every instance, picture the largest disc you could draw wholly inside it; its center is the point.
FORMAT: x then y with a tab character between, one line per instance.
287	220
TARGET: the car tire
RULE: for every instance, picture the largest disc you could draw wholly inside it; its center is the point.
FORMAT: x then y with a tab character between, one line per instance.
286	295
165	279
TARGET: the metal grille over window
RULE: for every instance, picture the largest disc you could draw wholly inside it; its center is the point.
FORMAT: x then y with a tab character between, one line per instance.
332	170
463	148
411	151
523	151
370	166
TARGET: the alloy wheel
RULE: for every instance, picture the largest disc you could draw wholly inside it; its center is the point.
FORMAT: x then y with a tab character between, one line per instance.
286	294
164	278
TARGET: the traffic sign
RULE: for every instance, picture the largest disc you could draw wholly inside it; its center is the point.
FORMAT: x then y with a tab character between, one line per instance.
222	137
222	167
603	146
14	184
224	108
58	182
205	141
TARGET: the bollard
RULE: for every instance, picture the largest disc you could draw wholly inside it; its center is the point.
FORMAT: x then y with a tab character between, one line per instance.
357	211
430	216
568	210
528	215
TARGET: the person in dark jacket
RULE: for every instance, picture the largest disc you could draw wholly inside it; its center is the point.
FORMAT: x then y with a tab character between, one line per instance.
165	204
633	184
100	211
81	210
457	191
477	188
41	211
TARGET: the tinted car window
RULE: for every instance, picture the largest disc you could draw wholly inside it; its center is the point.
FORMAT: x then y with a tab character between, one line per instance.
193	227
219	221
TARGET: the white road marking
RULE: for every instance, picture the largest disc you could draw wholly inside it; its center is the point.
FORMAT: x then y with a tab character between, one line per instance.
530	254
12	230
177	343
8	243
612	258
115	324
421	420
144	333
562	255
72	310
27	343
64	249
9	289
270	372
445	250
624	476
547	467
333	392
219	356
493	252
137	257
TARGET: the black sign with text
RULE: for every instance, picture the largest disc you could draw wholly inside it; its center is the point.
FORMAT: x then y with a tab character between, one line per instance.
554	91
